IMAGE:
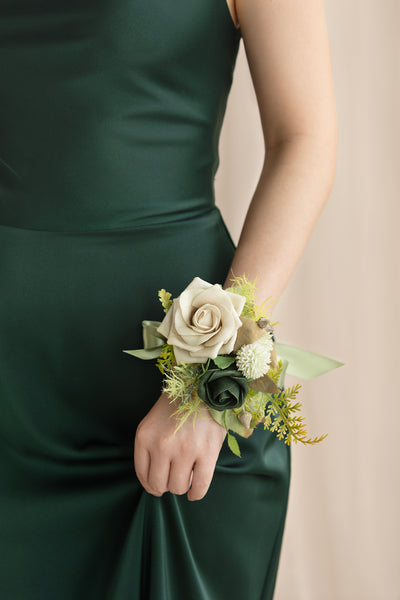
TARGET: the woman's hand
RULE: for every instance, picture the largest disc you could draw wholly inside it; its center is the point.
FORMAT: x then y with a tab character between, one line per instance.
168	462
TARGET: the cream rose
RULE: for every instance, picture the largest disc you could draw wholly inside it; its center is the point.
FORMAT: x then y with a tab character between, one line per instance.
202	322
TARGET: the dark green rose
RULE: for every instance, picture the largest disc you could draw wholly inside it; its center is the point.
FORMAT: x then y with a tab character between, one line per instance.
223	388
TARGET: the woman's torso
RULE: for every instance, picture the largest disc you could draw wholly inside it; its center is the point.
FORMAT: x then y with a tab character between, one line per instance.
111	111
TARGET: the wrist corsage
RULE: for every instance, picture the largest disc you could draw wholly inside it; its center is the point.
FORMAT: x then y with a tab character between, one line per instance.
216	347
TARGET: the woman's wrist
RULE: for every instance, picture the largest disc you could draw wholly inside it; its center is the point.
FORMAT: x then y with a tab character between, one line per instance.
261	299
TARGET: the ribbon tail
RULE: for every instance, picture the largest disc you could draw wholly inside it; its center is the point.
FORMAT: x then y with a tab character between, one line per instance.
152	341
144	354
304	363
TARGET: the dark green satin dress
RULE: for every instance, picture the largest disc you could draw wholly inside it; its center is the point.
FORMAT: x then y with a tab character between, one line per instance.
110	115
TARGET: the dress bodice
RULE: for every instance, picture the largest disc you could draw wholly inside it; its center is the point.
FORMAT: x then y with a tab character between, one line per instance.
111	111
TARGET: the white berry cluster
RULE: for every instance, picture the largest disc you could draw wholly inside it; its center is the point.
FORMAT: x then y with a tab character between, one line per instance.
254	359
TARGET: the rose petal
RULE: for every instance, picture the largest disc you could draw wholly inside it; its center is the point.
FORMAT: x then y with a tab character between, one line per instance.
212	295
196	340
186	297
228	347
228	328
184	356
203	322
209	352
165	326
198	282
206	318
181	325
184	302
187	335
237	300
192	341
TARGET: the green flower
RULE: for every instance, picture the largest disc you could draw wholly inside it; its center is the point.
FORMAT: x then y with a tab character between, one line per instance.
223	388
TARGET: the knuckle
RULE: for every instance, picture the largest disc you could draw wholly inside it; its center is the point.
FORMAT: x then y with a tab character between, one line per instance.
141	433
215	442
163	443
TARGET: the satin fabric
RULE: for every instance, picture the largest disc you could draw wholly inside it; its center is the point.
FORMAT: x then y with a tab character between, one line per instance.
110	120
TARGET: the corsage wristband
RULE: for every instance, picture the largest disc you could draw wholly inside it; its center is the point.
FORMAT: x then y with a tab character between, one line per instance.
216	347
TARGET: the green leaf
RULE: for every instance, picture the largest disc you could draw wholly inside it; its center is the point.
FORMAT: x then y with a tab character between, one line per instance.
233	444
218	415
229	420
223	361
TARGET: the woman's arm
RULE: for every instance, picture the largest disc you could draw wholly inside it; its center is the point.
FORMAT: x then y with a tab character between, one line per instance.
287	49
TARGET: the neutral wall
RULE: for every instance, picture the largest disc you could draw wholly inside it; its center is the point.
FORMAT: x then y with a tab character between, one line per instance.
342	533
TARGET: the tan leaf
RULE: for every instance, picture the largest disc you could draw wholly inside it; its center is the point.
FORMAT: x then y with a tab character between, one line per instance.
265	384
248	333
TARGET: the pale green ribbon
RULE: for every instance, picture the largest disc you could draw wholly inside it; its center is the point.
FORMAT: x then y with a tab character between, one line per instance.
296	361
152	341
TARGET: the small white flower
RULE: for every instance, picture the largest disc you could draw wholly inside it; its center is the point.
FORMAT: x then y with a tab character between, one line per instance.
254	359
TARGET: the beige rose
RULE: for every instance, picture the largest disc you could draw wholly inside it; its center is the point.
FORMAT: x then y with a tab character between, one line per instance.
202	322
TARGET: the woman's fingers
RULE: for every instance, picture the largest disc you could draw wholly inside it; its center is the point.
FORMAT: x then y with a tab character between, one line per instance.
151	466
180	475
178	462
157	482
203	472
141	462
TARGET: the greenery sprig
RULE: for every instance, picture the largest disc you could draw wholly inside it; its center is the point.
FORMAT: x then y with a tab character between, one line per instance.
278	412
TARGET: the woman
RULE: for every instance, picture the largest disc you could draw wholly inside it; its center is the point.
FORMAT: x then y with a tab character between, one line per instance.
110	119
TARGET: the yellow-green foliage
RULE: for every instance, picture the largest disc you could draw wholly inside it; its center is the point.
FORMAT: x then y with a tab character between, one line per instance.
166	359
241	285
165	299
276	373
281	417
278	412
190	408
180	383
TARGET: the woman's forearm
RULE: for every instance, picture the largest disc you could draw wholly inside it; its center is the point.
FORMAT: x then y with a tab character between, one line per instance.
293	188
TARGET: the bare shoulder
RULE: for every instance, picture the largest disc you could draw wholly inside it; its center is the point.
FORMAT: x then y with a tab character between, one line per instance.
287	49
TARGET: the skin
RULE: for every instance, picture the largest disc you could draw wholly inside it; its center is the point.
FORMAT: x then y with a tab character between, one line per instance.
287	49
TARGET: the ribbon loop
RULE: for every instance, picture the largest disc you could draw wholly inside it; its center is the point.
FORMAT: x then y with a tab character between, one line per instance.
152	341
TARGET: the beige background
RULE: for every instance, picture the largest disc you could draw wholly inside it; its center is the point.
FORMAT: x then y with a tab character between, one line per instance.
342	533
